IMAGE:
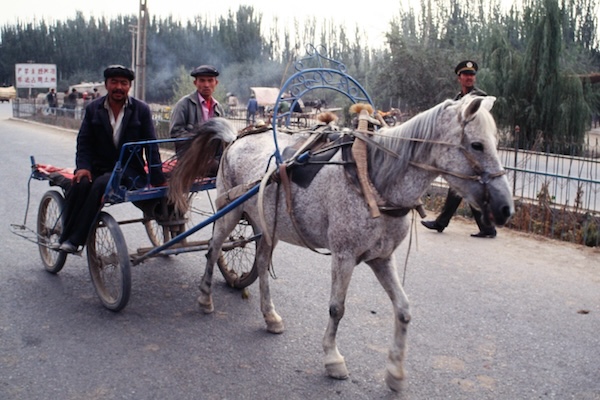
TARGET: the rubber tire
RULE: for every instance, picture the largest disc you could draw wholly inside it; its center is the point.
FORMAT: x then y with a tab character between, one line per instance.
109	264
238	265
49	229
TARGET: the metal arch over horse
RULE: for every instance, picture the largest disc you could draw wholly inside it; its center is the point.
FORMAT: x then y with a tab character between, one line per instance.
455	139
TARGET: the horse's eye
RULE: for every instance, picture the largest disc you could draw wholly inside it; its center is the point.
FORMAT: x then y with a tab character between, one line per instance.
477	146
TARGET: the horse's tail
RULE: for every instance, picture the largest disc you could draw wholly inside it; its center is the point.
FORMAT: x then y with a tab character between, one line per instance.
198	159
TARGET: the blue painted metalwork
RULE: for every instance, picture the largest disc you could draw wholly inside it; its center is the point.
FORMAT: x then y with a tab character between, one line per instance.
116	193
315	71
228	208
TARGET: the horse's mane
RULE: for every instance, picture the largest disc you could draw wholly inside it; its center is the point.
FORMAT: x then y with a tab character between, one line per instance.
422	127
196	158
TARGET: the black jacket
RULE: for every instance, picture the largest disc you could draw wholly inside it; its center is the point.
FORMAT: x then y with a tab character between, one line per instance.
96	150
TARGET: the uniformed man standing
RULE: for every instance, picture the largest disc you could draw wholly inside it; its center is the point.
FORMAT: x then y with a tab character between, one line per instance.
466	72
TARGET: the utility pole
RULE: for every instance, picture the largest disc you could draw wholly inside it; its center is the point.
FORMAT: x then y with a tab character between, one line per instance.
140	70
133	30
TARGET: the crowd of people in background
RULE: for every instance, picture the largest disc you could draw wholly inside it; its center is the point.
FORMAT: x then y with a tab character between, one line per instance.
70	101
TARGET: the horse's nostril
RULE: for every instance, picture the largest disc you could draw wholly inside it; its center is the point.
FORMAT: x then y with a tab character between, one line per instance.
507	211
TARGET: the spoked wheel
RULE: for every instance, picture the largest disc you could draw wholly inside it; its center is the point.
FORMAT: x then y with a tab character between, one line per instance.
171	225
108	261
158	234
49	229
237	261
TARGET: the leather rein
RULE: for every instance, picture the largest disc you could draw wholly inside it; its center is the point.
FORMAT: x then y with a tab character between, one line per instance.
390	209
479	174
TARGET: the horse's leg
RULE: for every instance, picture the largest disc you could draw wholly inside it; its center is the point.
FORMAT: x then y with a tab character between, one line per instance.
341	273
263	261
388	277
222	228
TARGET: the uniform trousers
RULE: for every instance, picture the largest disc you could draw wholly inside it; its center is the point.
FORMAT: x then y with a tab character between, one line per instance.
451	205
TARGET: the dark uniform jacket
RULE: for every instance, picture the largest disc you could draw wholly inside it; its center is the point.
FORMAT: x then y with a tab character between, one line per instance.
475	91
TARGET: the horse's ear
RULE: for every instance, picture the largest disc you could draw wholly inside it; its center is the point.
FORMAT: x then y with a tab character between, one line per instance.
487	102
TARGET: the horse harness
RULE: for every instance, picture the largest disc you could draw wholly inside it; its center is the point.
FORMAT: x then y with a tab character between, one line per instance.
305	160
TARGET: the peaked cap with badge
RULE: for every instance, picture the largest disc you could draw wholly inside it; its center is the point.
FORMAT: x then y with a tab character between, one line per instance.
466	67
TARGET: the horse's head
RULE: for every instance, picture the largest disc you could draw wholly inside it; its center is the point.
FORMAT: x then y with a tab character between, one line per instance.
469	161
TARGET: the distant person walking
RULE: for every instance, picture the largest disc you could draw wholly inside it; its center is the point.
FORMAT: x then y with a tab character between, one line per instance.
251	110
71	103
52	100
232	103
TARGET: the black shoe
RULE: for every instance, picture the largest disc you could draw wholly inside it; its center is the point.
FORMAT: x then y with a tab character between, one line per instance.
489	235
68	247
433	225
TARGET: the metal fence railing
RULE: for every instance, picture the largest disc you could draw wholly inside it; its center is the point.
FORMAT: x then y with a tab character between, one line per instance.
566	181
557	196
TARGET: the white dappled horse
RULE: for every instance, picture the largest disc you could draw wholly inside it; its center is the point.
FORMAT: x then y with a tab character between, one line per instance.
455	139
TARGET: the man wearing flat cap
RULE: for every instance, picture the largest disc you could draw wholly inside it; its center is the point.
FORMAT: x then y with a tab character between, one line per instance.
109	122
466	72
197	107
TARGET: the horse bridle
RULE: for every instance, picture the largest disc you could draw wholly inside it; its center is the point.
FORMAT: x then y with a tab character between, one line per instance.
479	174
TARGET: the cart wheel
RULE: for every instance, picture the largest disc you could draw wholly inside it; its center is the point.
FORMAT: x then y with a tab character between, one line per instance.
49	228
161	234
108	261
157	234
238	258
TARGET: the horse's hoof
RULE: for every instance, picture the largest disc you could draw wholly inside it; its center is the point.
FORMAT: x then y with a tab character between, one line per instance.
394	382
275	327
206	305
337	370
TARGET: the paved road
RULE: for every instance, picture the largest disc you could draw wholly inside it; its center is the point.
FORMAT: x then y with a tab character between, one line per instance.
515	317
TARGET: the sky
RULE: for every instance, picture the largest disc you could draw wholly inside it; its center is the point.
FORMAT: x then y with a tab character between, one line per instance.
373	16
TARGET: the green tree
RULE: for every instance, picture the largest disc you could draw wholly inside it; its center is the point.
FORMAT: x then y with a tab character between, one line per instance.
554	102
525	54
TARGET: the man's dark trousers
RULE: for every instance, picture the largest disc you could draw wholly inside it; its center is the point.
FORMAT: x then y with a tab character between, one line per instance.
451	205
